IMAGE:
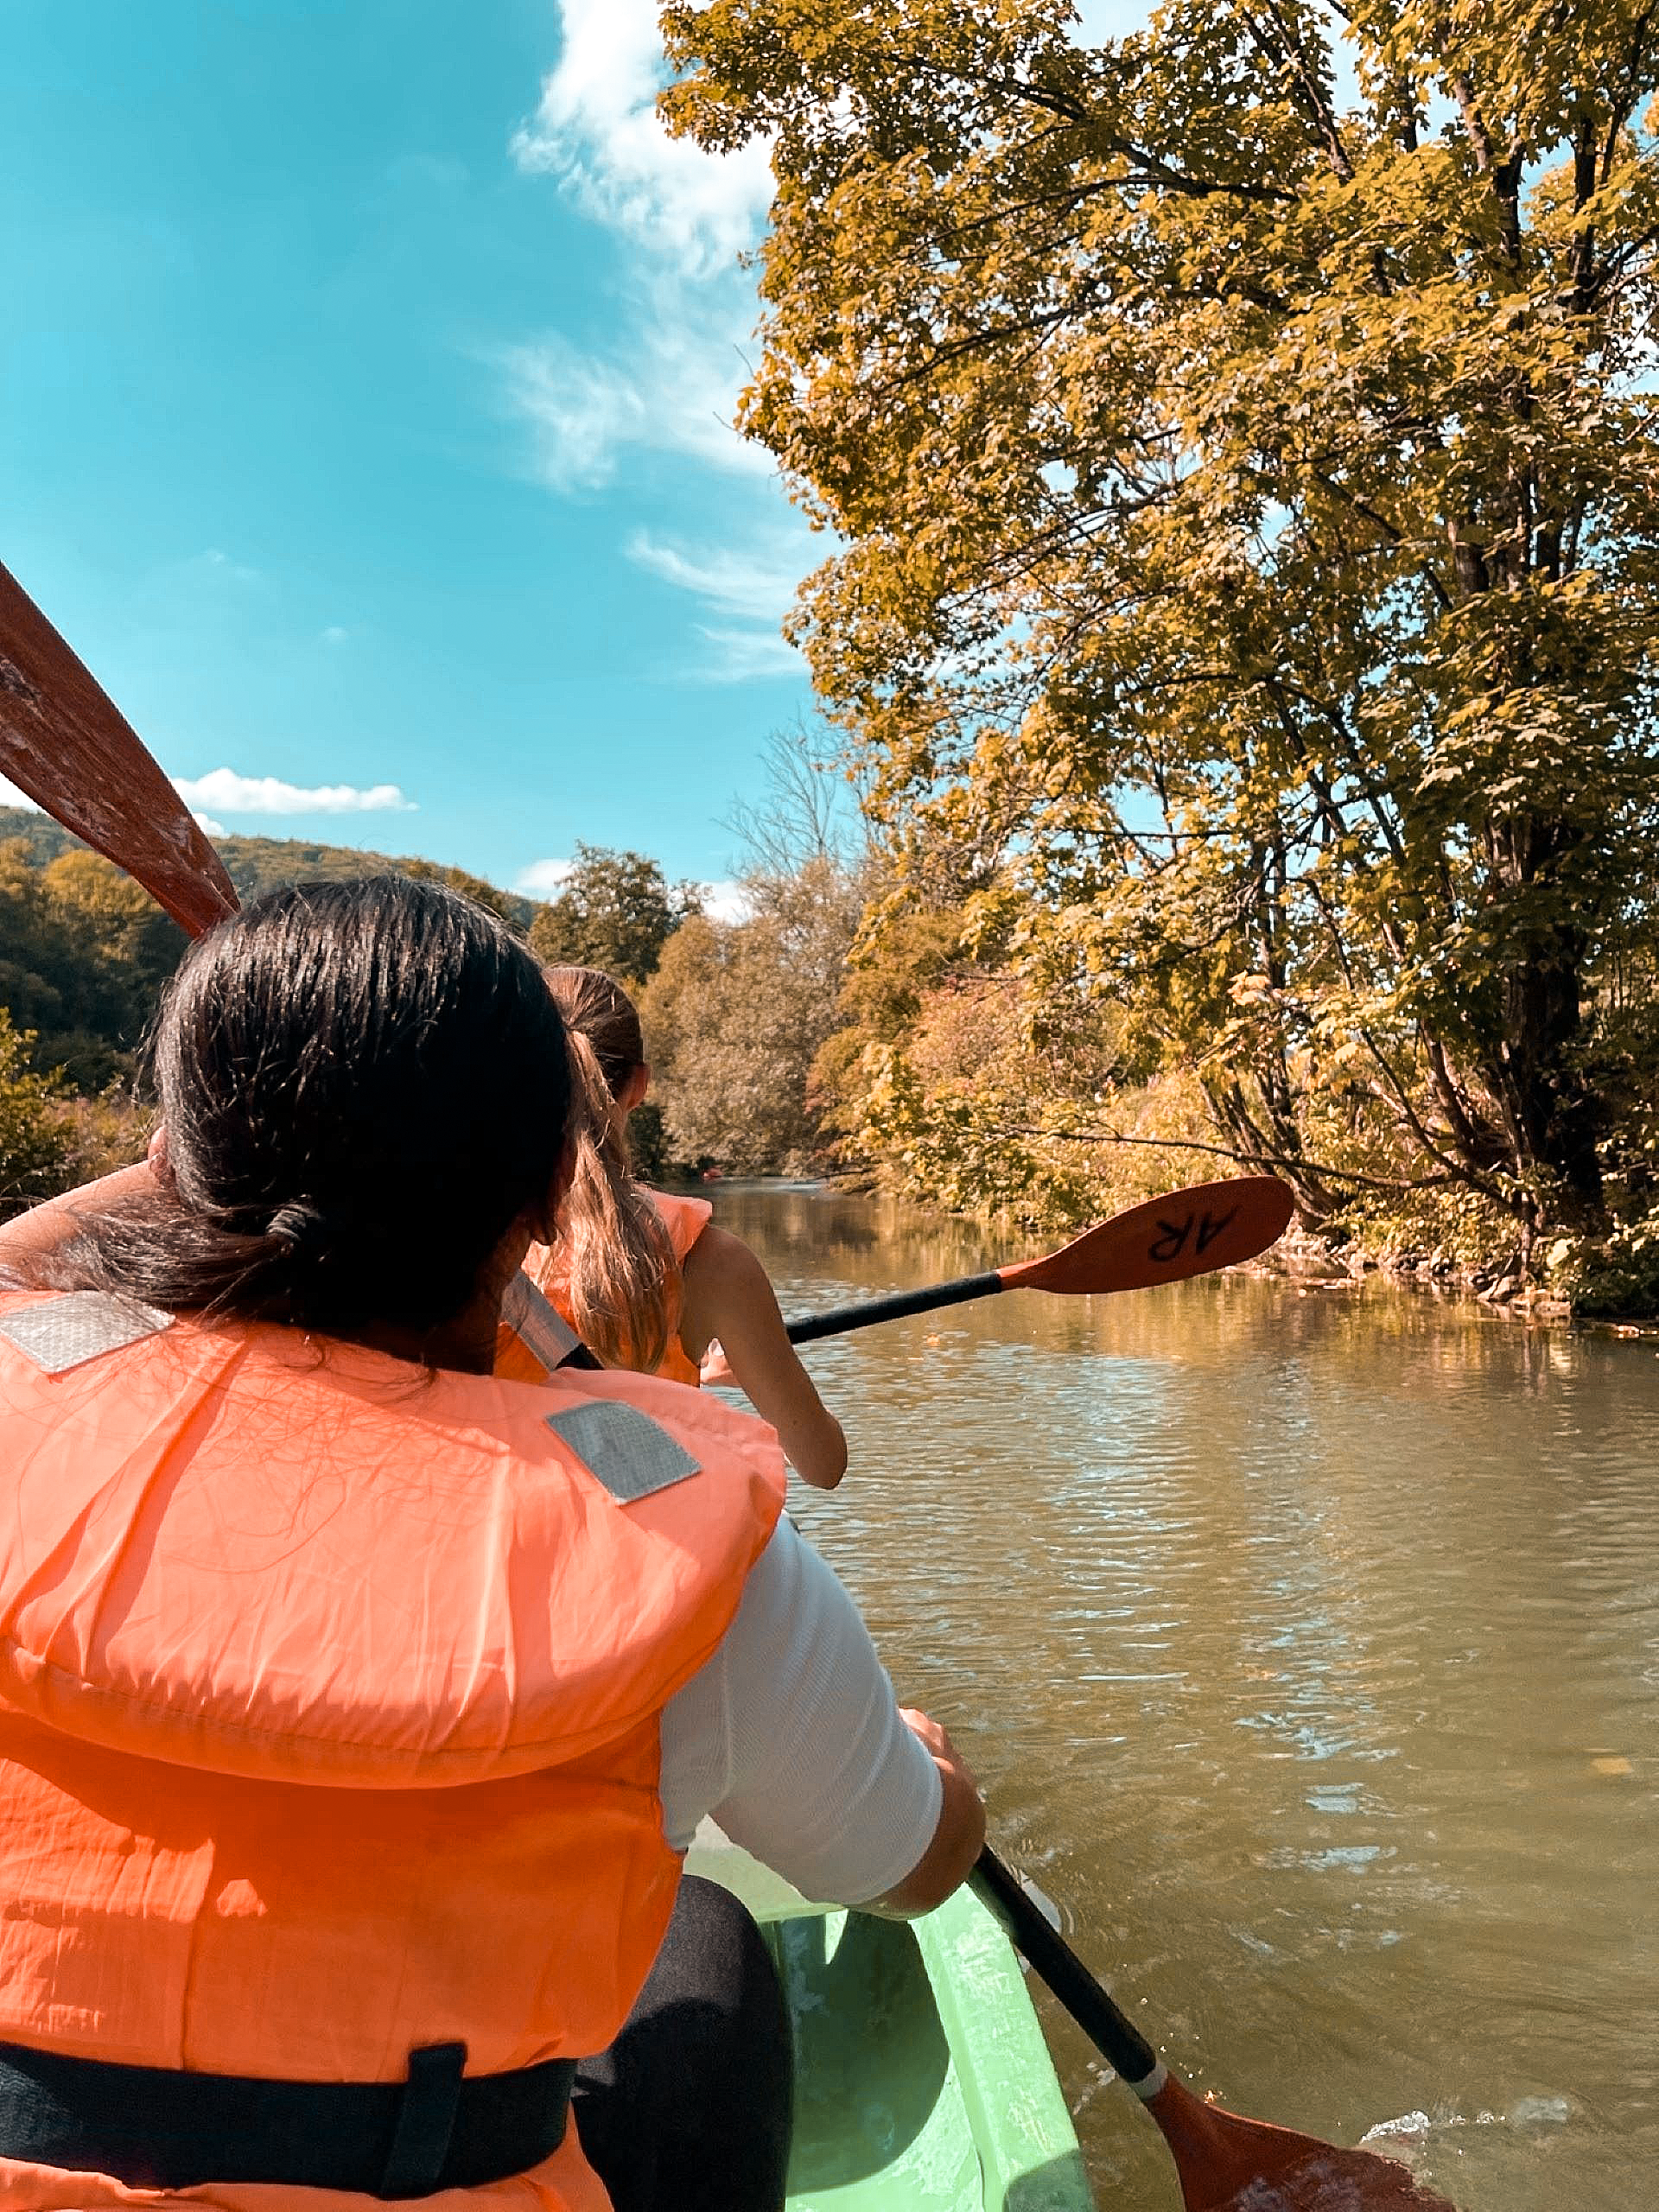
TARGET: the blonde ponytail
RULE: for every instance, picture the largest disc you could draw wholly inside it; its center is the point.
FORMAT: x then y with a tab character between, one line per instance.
623	1281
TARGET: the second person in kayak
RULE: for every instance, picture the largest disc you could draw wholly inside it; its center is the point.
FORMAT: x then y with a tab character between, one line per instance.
646	1277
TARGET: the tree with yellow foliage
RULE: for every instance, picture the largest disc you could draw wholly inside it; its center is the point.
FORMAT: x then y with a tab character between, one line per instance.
1243	438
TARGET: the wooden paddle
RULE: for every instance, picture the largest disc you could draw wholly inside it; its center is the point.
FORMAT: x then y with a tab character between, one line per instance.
65	742
1207	1226
1224	2163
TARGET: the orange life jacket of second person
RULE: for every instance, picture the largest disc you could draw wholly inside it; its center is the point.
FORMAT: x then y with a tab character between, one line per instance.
684	1218
330	1695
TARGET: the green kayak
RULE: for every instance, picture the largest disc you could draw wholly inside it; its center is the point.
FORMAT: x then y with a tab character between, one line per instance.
923	2083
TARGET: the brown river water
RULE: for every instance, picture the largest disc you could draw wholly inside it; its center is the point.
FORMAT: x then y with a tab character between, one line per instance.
1307	1644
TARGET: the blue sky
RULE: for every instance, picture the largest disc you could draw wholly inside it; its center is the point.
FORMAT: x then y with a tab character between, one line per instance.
367	370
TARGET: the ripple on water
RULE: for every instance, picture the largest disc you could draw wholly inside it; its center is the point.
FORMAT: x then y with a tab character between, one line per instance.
1309	1651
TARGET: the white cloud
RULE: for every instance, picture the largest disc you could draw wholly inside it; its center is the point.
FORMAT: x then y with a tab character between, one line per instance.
336	634
672	387
726	901
223	787
760	587
746	656
597	130
236	794
670	379
219	562
579	412
757	588
544	879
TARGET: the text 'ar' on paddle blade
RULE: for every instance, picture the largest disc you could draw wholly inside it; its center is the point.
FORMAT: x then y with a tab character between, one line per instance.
1228	2164
1191	1232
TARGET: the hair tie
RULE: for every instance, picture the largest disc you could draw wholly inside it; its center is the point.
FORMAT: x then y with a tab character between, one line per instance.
299	1225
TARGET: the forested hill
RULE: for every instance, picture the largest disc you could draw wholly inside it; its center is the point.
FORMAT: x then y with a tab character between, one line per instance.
255	863
84	951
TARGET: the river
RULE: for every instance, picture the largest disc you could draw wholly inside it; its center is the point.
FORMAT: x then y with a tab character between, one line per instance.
1306	1642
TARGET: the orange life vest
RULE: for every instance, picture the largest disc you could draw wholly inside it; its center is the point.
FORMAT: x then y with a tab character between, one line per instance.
330	1694
685	1219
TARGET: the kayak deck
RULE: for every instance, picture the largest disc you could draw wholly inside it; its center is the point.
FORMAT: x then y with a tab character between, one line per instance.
922	2078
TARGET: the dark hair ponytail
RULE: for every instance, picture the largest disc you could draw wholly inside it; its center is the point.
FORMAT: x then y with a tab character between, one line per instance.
363	1085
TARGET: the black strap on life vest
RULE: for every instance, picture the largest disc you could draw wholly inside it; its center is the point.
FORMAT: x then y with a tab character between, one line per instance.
153	2128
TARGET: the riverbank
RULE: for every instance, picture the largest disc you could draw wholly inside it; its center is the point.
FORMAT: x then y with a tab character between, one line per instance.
1592	1284
1608	1281
1321	1261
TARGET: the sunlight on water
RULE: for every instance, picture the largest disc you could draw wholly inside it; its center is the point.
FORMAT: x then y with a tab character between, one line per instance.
1308	1643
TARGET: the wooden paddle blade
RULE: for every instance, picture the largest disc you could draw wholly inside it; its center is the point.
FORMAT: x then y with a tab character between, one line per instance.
1227	2163
1189	1233
65	742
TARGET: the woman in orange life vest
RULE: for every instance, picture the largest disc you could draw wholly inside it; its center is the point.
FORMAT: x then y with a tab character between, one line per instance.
644	1276
355	1705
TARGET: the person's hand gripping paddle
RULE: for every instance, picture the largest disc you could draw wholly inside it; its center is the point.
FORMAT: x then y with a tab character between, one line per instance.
1225	2162
1191	1232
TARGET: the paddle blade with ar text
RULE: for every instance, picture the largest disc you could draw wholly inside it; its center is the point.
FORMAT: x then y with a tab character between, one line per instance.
65	742
1210	1226
1228	2164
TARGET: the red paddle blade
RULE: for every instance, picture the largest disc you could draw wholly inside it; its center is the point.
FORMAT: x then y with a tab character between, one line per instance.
1189	1233
64	741
1230	2164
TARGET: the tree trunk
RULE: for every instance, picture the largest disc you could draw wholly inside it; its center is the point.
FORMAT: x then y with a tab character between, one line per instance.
1552	1117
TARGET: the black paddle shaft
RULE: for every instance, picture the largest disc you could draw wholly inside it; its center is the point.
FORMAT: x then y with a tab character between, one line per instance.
840	1319
1113	2033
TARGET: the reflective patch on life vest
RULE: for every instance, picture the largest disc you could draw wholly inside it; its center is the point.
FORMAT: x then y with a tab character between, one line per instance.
83	1325
623	1448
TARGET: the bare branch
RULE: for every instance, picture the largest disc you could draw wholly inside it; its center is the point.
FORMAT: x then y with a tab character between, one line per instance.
1287	52
1245	1156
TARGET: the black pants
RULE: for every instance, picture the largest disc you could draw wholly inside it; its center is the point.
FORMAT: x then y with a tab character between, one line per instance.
689	2110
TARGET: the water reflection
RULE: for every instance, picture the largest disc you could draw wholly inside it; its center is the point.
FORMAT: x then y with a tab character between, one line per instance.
1308	1642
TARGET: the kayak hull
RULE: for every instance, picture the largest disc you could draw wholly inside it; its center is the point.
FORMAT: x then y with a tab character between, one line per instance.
922	2078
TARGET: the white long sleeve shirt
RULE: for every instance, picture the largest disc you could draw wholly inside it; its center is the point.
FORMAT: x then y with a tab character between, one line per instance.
790	1738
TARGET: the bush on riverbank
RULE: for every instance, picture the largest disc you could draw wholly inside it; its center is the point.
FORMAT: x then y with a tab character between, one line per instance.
953	1083
34	1140
1616	1278
51	1138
